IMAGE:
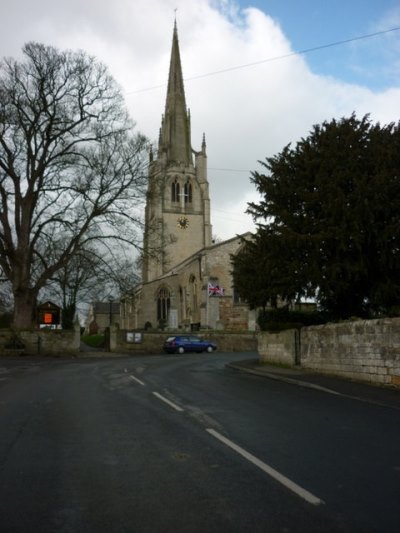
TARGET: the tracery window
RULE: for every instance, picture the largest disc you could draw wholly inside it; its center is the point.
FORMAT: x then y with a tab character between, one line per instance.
163	303
182	302
193	292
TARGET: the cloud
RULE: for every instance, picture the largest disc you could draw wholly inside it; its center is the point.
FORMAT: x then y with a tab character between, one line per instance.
247	113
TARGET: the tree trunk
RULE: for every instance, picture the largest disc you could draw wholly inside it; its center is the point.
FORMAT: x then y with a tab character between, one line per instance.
24	309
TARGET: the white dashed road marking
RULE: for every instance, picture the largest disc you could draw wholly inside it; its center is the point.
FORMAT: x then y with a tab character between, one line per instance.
286	482
283	480
137	380
171	404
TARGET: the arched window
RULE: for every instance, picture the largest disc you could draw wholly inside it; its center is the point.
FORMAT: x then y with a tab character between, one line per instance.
193	292
175	191
182	303
188	192
163	303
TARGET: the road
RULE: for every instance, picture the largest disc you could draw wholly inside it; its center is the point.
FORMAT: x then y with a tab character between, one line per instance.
184	444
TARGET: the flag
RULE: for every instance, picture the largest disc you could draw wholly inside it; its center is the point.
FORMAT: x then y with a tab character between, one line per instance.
215	290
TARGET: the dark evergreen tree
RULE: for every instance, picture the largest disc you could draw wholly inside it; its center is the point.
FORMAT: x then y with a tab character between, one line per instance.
266	271
329	218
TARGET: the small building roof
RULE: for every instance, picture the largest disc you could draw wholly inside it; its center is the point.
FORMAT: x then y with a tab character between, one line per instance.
104	308
48	305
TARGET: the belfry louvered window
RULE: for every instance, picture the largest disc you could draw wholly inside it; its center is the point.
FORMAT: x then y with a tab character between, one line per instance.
175	191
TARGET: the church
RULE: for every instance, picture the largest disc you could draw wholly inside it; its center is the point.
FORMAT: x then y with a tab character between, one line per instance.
186	277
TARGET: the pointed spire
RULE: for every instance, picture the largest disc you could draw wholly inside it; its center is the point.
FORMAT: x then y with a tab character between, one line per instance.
175	129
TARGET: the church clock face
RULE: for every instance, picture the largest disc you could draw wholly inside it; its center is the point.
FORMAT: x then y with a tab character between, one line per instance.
182	223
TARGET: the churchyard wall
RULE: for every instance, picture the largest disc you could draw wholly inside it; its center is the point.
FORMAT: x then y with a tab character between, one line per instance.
365	350
143	342
59	342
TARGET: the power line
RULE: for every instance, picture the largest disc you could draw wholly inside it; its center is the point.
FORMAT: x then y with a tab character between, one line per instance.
230	169
243	219
276	58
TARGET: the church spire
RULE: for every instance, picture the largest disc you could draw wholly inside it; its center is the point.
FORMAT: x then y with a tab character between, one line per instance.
175	140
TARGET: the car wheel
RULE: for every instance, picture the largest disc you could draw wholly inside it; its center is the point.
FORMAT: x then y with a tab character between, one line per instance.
209	349
181	349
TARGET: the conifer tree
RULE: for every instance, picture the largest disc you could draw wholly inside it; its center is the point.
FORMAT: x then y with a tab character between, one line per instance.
329	218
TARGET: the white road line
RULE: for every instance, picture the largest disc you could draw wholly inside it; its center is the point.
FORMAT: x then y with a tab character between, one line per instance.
137	380
171	404
291	485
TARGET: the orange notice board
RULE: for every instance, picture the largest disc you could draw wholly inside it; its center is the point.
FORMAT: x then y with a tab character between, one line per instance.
48	314
48	318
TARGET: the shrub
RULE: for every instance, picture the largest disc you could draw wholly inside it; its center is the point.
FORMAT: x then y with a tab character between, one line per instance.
95	341
281	319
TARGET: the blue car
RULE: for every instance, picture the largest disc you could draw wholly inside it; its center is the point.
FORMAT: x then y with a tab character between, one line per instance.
188	343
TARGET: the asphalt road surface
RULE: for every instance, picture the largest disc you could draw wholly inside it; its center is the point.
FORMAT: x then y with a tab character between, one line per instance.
184	444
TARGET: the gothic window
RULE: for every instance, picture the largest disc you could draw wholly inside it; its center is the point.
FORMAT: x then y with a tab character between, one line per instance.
182	301
193	292
163	303
188	192
175	191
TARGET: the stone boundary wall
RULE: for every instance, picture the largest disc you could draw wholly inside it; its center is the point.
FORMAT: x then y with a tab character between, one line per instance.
367	350
152	342
278	348
57	342
364	350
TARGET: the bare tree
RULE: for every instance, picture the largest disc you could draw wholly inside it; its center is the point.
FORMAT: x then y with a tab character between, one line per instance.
71	167
5	296
92	275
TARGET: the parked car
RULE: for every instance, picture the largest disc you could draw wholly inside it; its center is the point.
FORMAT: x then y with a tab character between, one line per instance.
188	343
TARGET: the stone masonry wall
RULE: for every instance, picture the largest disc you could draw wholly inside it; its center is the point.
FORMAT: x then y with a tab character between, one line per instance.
234	317
278	347
367	350
152	342
41	342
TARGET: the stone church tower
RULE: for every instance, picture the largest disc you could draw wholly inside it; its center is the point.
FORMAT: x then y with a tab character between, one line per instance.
186	280
177	217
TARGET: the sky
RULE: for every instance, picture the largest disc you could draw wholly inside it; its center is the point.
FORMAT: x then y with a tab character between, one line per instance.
258	74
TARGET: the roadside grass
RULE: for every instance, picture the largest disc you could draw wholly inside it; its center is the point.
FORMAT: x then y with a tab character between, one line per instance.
94	341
